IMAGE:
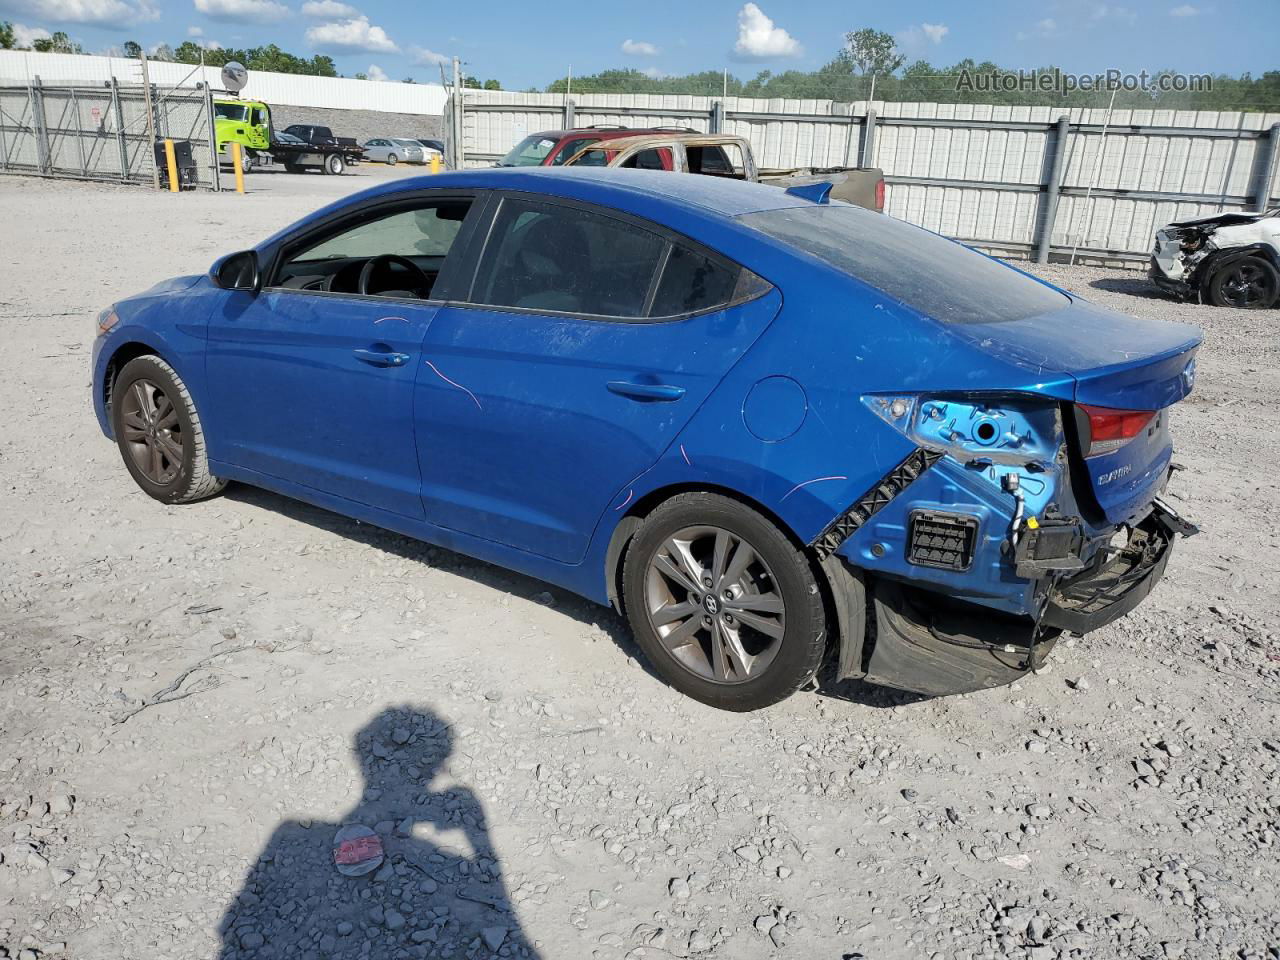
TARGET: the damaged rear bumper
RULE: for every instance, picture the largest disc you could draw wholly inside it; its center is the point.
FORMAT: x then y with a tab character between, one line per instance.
921	641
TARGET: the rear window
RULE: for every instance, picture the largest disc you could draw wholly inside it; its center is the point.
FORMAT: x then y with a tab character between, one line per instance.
931	274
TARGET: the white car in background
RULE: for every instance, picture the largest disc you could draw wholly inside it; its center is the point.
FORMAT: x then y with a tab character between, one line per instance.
1228	260
391	150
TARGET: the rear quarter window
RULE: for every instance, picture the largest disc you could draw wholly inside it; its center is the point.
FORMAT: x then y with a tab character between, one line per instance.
928	273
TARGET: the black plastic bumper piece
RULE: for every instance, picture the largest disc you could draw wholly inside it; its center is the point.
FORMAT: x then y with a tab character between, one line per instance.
1107	592
939	649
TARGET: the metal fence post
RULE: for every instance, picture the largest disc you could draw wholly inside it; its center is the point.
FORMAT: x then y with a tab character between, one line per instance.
38	126
214	169
117	111
4	143
459	149
868	139
717	117
1051	188
1269	169
569	108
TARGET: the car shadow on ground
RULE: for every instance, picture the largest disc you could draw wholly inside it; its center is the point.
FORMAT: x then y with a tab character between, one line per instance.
1132	286
369	885
862	693
419	551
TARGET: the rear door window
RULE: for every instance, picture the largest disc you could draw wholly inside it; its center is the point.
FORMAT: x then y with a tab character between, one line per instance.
565	259
692	282
562	258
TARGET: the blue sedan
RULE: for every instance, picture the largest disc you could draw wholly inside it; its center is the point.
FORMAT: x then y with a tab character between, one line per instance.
767	427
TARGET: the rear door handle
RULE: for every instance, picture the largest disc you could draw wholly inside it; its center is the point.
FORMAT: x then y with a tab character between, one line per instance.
646	391
382	358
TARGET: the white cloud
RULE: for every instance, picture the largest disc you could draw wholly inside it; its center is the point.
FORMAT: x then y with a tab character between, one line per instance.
375	72
102	13
759	39
25	36
329	9
1186	10
354	34
243	11
639	48
427	58
195	32
935	31
1105	12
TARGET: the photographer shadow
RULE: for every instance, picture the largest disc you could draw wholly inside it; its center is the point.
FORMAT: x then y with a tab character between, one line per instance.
409	897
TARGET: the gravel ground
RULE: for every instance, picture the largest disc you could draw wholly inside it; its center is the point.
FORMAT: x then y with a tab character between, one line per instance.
194	699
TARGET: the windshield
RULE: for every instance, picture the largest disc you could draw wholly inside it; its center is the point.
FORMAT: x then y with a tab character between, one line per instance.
229	111
929	273
529	152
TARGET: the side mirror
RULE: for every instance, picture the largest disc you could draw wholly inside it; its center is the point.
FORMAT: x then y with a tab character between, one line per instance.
238	271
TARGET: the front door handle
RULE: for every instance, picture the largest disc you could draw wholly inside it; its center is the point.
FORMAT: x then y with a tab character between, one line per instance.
382	358
646	391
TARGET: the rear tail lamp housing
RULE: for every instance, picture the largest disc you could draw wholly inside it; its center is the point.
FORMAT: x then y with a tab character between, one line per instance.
1106	430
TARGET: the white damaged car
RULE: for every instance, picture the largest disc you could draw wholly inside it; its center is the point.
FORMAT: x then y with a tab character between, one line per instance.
1229	260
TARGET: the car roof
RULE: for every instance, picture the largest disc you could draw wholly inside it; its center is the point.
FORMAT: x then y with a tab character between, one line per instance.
644	192
605	133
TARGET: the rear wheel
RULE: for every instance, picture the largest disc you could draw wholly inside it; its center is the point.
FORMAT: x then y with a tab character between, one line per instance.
726	608
334	164
159	434
392	159
1249	284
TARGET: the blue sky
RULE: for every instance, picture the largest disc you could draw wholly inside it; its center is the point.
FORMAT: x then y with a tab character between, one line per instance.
530	43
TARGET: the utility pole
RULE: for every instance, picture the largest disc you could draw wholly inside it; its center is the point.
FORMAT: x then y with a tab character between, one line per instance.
151	122
458	152
724	90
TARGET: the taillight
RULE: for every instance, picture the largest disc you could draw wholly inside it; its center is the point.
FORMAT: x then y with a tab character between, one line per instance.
880	195
1109	430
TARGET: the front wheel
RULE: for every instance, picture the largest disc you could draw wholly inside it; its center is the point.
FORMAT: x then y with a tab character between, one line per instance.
334	164
159	433
392	159
725	607
1249	284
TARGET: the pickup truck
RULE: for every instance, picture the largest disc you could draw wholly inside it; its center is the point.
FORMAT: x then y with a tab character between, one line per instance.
301	146
717	155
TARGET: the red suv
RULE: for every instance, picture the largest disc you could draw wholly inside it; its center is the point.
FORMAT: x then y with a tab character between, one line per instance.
551	148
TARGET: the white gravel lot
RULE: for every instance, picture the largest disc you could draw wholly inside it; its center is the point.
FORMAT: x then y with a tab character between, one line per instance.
537	791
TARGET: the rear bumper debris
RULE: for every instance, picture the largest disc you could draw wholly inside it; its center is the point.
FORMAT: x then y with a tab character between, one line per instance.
924	642
1110	589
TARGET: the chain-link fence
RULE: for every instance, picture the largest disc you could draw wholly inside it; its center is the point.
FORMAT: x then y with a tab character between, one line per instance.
105	132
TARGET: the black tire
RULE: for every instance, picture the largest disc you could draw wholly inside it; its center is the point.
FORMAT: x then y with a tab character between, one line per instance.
392	159
783	571
246	161
181	472
1251	283
334	164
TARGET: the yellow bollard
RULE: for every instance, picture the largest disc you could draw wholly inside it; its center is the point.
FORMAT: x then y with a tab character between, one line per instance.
435	163
237	163
172	162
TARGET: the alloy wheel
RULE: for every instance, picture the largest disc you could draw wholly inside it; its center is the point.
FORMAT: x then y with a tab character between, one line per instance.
714	604
1247	285
152	431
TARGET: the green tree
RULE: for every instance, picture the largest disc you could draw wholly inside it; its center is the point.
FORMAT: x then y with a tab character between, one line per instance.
870	51
7	38
58	43
361	76
132	49
492	85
